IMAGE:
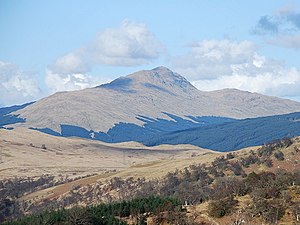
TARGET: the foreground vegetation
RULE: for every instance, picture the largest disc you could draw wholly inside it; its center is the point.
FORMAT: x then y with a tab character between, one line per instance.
228	186
108	214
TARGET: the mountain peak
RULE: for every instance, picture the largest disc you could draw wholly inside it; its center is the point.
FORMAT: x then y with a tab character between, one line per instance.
160	78
162	69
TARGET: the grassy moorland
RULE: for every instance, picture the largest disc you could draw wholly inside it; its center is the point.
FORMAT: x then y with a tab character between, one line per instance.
256	185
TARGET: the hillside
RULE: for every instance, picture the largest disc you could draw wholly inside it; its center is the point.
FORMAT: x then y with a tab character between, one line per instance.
254	177
25	152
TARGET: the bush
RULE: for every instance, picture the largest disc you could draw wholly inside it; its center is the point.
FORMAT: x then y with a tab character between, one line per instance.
279	155
267	193
267	149
222	207
236	168
249	160
269	211
268	163
230	156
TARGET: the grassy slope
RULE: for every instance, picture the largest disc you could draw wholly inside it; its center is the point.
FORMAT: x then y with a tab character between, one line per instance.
21	154
159	168
150	168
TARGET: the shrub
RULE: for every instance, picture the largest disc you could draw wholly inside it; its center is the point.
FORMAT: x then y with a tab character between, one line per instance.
268	163
230	155
222	207
249	160
279	155
269	211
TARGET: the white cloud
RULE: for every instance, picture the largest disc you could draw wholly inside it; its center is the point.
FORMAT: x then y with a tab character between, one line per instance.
258	60
213	65
131	44
210	59
70	82
16	87
74	62
284	83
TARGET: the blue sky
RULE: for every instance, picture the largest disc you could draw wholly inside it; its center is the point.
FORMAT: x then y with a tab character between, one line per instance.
49	46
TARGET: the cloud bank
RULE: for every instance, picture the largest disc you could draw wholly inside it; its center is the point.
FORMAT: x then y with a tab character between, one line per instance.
132	44
71	82
218	64
16	87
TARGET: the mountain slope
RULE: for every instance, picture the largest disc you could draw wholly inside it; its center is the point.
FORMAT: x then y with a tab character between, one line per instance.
236	134
147	94
6	118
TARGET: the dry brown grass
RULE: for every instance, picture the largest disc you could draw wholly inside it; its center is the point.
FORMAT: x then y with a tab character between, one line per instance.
22	154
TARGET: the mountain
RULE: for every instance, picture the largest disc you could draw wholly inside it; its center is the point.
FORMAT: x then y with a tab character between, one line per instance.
141	106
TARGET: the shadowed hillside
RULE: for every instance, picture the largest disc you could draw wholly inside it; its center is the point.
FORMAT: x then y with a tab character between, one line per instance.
235	135
216	133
